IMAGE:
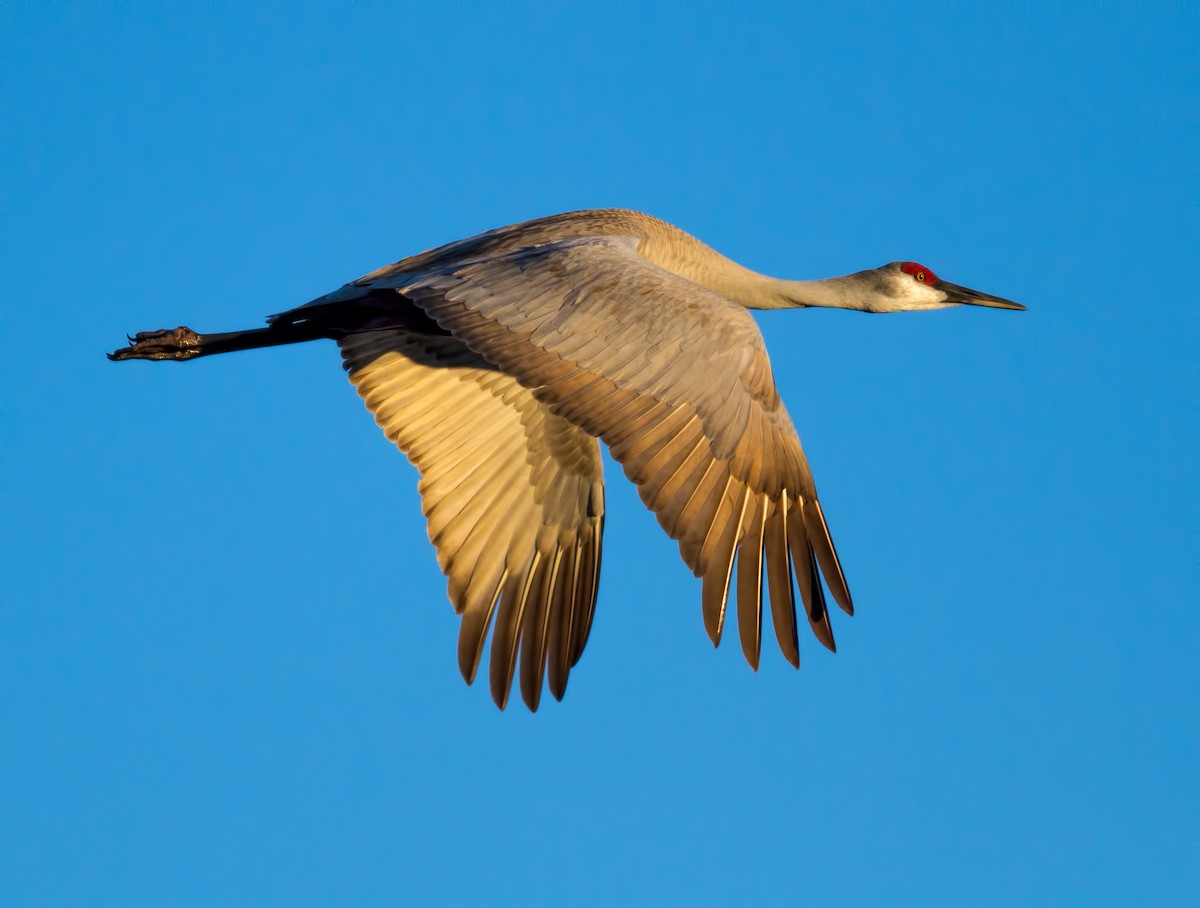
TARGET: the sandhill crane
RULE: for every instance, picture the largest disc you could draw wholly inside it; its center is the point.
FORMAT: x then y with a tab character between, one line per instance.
496	362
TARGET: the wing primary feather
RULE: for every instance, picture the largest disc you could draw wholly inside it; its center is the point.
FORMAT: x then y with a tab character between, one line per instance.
473	631
779	581
589	583
822	544
695	476
700	514
824	630
559	654
714	590
536	630
808	579
749	583
507	634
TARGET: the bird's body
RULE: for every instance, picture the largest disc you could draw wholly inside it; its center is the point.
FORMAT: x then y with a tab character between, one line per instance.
496	362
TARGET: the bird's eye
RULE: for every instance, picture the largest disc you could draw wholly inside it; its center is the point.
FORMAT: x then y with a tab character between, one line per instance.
918	272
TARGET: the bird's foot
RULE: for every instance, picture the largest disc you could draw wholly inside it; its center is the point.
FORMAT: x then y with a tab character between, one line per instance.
180	344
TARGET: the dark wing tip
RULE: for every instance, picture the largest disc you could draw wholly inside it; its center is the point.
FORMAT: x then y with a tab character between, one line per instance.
558	691
822	545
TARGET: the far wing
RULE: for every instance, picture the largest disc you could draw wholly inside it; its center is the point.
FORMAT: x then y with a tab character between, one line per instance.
676	380
513	495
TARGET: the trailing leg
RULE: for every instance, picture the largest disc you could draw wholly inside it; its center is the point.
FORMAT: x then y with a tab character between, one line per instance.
183	343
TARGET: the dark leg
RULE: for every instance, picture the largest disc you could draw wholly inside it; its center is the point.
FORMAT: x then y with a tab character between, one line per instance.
184	343
379	309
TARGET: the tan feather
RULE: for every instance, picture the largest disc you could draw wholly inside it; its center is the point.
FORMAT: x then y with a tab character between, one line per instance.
780	581
536	631
496	465
719	548
749	585
807	578
822	544
507	634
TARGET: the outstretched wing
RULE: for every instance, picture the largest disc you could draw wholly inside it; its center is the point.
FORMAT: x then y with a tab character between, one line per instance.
675	379
514	498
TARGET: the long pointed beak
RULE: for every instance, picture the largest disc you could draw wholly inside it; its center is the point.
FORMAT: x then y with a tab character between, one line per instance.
968	297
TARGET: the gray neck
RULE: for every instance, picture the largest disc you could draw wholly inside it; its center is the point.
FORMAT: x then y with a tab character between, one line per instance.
686	256
849	292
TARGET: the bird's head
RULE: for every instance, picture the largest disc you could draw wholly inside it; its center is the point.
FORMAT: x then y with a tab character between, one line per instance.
910	286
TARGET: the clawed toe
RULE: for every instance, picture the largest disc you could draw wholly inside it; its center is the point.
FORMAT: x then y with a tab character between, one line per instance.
142	336
180	343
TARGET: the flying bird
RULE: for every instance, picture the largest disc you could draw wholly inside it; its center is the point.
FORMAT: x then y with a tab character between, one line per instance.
499	362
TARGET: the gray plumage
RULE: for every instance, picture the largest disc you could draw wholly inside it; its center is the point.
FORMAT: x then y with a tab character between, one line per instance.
496	362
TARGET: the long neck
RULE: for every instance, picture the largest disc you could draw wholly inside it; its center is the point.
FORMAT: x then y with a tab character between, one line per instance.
832	293
682	253
757	291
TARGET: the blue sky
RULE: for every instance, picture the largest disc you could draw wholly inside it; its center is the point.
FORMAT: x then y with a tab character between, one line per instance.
230	670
